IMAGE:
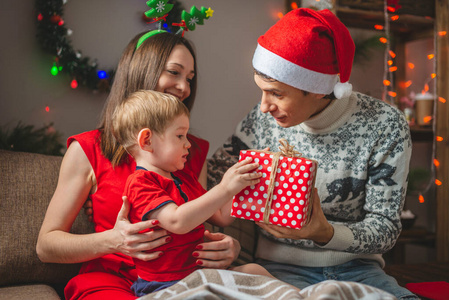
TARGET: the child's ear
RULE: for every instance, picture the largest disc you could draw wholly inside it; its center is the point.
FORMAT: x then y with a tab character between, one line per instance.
144	139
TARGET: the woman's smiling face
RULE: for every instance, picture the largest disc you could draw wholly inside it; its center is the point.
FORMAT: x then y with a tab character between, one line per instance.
178	73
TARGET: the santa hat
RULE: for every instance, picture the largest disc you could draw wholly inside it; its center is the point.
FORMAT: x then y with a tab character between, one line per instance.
309	50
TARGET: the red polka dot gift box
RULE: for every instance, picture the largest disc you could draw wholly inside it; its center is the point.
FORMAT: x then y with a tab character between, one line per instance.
283	195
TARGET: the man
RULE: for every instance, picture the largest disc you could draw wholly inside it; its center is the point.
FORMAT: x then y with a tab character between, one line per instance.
362	145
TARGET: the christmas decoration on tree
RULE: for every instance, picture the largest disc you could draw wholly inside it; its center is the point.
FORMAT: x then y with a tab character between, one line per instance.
160	12
54	38
196	16
159	9
26	138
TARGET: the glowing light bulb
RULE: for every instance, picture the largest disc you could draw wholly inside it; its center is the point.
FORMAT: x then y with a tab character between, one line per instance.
411	65
421	198
102	74
438	182
383	40
427	119
392	69
387	82
439	139
378	27
441	99
47	108
54	70
436	162
392	94
74	84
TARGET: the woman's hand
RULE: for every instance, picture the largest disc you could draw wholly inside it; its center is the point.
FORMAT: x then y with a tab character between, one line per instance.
317	229
88	211
219	252
129	241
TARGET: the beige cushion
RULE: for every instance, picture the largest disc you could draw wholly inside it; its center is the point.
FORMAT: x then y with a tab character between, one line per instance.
35	292
27	185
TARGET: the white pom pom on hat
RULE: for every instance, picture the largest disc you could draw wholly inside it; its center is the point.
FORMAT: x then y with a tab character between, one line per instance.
309	50
342	90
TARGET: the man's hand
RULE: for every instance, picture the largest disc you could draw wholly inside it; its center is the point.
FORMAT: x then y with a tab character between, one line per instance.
317	229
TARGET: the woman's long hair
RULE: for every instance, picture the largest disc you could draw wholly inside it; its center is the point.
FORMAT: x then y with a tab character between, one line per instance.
139	69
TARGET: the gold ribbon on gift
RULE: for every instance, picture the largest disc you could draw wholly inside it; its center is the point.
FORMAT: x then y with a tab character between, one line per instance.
286	150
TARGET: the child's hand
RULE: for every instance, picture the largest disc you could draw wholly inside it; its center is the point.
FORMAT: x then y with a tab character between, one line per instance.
240	176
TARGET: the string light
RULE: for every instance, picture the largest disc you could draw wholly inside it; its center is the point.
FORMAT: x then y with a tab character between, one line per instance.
405	84
47	108
421	198
427	119
294	5
54	70
74	84
411	65
436	162
378	27
102	74
441	99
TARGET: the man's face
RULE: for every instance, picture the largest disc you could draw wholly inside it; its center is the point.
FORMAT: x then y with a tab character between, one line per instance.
289	106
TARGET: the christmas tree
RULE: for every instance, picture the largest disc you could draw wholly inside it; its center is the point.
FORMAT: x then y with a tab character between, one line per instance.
196	16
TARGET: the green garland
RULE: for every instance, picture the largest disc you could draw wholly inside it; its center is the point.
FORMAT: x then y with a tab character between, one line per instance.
53	37
26	138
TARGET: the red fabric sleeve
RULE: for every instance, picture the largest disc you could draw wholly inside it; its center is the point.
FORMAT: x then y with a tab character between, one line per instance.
197	156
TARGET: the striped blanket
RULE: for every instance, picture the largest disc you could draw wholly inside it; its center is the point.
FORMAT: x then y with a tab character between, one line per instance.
222	284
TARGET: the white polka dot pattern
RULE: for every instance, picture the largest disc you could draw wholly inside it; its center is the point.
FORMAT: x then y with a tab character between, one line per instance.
293	186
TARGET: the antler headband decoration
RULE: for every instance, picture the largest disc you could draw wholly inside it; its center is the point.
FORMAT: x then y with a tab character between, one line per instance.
159	12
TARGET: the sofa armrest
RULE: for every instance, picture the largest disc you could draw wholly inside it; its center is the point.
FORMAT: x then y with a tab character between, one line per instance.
28	182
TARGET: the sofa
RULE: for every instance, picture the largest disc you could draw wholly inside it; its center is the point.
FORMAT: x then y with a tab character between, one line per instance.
27	183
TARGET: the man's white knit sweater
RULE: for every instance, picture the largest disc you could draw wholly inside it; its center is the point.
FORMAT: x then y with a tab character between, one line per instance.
363	149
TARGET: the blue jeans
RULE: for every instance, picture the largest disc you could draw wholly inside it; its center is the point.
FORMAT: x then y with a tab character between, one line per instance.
364	271
142	287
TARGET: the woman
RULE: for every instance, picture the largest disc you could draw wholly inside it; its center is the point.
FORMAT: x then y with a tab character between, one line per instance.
163	62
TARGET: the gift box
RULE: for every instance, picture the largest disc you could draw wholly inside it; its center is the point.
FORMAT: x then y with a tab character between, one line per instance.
283	195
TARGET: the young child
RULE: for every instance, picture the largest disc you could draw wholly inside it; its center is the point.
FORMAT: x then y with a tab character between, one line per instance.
153	127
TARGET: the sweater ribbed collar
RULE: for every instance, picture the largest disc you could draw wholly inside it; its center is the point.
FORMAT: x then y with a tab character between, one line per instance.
332	117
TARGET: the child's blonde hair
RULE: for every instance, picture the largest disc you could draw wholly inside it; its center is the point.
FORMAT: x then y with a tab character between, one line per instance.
145	109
